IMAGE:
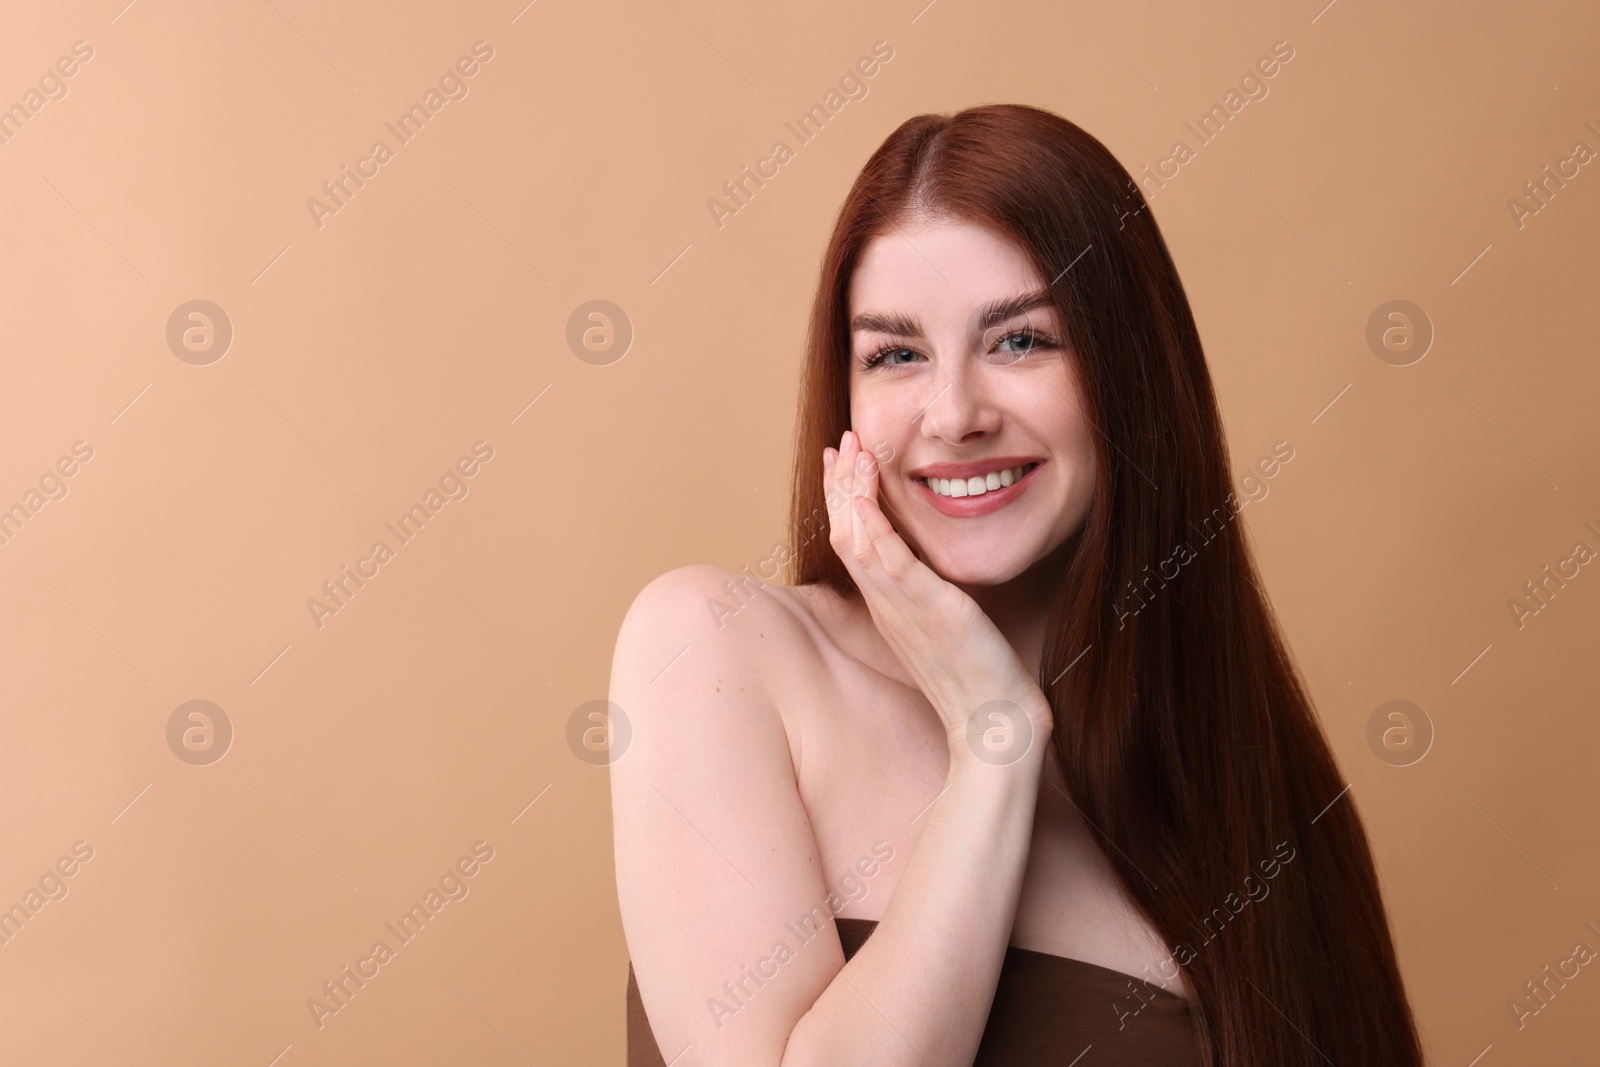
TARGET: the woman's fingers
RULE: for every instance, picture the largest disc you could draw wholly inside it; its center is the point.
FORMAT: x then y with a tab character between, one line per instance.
866	472
836	482
862	487
839	487
902	582
872	549
891	552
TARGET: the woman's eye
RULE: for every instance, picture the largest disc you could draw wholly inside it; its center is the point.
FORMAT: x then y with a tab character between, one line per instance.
1024	342
1025	339
887	355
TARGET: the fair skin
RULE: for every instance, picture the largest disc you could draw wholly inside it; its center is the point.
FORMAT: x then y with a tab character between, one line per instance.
774	748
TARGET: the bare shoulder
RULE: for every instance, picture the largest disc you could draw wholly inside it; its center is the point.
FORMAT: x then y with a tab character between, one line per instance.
759	630
713	845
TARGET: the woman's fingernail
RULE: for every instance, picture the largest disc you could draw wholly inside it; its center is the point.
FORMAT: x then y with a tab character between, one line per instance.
863	462
828	455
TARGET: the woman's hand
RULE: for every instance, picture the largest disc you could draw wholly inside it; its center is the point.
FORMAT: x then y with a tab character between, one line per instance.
991	708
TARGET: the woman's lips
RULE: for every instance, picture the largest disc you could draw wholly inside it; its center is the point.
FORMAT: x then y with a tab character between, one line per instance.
970	507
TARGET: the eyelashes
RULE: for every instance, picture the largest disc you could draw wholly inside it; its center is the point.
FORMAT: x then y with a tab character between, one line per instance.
878	357
1038	341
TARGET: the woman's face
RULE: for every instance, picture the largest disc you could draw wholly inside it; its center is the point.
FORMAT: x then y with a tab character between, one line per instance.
970	384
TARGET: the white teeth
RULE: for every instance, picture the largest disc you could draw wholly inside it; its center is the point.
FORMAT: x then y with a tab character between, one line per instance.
978	484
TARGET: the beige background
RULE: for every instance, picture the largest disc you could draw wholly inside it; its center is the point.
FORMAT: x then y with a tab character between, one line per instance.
368	354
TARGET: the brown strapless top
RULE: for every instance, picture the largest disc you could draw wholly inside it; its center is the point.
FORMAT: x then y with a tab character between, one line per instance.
1047	1011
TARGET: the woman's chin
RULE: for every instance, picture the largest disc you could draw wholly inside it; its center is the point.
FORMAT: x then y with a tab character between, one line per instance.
981	570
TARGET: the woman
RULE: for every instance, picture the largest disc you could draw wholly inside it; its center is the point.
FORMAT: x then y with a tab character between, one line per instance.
1017	769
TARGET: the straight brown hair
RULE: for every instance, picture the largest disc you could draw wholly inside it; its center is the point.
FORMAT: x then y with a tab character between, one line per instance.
1186	735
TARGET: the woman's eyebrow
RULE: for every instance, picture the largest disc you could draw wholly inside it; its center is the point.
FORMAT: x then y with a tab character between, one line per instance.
995	311
1012	306
886	322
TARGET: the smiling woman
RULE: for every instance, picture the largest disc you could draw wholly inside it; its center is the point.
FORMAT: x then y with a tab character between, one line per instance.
998	316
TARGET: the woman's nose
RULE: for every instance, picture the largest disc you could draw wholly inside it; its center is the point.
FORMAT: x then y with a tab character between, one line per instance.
958	407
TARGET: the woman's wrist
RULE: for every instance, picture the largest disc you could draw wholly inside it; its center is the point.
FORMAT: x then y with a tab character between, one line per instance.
1001	732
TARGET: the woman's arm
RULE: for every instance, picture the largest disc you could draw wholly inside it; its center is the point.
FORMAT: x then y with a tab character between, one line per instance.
717	867
918	992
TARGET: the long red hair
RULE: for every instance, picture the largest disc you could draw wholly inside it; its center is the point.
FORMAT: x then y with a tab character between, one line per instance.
1185	733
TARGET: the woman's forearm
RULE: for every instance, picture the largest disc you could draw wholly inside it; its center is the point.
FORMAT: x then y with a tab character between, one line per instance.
919	991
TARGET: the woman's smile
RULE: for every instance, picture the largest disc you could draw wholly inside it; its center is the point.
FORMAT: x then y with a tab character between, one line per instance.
968	490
